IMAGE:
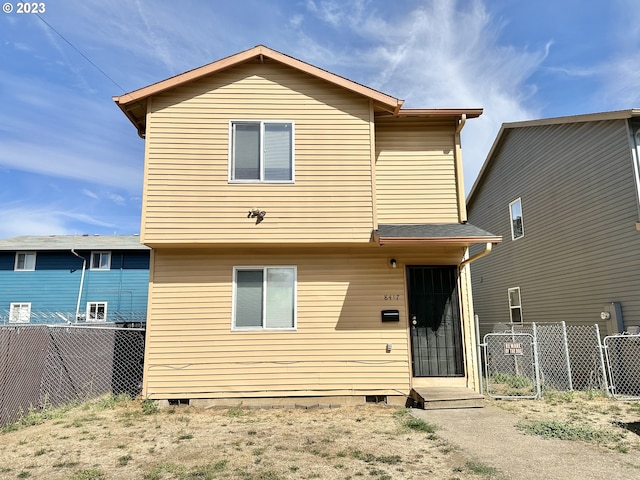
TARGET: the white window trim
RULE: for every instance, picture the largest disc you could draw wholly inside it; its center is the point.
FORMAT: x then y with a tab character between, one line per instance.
512	307
262	122
88	318
19	305
15	264
101	252
634	140
517	200
265	329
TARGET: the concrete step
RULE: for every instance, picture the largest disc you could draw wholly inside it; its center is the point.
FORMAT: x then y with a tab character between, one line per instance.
433	398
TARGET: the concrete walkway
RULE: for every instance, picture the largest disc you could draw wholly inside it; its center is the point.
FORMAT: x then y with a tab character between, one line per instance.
489	435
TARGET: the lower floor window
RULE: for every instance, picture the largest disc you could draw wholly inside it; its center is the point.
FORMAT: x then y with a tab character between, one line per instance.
96	311
515	305
264	298
20	313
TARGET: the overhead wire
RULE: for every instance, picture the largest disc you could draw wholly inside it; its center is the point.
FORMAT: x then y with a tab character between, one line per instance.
79	52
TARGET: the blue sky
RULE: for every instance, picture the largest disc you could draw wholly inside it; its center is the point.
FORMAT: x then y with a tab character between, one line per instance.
71	163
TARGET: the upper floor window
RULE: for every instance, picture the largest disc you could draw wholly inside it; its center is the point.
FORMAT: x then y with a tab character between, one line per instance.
517	227
515	305
261	151
100	260
96	311
20	313
25	261
264	298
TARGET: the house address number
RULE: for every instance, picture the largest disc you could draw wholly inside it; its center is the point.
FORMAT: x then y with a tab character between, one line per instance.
391	296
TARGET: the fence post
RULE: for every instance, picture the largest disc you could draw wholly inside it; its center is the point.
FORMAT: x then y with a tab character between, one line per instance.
535	359
566	351
606	373
477	322
486	361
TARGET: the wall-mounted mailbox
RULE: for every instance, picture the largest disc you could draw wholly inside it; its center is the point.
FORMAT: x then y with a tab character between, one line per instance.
390	316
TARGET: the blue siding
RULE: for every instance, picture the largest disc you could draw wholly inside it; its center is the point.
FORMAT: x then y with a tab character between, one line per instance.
53	287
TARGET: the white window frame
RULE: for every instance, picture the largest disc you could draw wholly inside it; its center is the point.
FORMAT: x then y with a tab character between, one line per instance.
511	218
515	307
99	267
26	255
97	305
262	124
19	306
264	269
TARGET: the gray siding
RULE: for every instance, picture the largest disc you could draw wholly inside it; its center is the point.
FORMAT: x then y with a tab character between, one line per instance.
581	249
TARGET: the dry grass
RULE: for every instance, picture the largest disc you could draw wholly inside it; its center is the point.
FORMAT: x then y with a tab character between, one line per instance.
590	417
123	439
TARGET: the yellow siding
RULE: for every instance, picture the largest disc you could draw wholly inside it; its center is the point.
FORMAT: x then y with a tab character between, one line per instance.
415	172
339	347
187	194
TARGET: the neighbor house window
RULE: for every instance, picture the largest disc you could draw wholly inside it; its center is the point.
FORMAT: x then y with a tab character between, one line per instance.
261	151
515	305
517	227
96	311
25	261
20	313
264	298
100	260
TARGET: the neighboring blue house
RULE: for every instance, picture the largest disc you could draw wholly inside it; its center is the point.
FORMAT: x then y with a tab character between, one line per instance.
73	279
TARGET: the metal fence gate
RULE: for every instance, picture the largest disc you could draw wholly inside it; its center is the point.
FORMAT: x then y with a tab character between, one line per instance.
623	365
511	365
43	366
563	357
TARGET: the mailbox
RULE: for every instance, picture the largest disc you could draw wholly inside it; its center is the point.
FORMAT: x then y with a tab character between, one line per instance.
390	316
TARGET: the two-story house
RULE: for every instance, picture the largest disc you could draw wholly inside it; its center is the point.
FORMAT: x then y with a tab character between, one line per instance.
73	279
309	236
563	192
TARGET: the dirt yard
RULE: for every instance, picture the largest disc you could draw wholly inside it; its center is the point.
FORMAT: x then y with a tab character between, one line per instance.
123	439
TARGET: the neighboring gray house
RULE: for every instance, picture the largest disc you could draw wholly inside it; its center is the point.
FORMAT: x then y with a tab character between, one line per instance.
563	193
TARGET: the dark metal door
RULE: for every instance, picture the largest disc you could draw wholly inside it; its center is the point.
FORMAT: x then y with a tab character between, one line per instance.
434	321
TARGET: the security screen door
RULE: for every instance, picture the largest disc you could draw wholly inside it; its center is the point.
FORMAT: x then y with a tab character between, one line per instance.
434	321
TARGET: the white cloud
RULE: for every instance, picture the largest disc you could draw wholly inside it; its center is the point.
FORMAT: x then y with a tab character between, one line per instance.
31	220
89	193
63	162
117	199
442	55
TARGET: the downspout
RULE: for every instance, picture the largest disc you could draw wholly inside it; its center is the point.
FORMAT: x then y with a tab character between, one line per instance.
84	264
462	207
478	359
486	251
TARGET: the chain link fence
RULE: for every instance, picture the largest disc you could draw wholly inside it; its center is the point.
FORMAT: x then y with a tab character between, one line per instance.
511	365
43	366
561	357
623	363
56	317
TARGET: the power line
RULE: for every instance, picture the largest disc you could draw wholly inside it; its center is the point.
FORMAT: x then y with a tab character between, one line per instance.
82	54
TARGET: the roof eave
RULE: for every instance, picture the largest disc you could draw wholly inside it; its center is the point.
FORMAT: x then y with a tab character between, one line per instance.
440	112
589	117
445	241
393	104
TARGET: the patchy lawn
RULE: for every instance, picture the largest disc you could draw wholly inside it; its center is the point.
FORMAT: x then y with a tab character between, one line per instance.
580	416
116	438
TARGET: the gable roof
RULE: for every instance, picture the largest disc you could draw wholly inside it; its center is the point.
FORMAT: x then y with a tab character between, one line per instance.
133	104
68	242
508	127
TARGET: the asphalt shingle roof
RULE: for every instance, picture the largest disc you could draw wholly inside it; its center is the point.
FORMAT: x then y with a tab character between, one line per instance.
76	242
432	230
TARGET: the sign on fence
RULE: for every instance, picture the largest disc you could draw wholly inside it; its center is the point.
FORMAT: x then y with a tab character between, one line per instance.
513	349
511	368
528	358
